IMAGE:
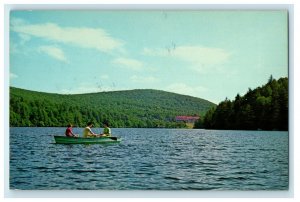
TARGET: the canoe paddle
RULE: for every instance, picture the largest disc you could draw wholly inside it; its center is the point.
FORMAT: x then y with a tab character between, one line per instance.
113	138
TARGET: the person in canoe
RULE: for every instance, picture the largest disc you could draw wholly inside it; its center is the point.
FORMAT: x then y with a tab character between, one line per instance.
106	130
87	131
69	132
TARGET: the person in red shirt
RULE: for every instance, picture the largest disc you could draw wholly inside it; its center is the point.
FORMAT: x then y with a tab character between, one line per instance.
69	132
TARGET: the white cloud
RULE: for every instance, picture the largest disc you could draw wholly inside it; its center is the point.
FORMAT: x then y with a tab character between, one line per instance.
17	21
198	57
201	55
83	37
13	76
54	52
129	63
184	89
143	79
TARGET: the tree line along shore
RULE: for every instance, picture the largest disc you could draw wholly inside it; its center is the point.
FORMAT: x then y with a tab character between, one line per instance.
263	108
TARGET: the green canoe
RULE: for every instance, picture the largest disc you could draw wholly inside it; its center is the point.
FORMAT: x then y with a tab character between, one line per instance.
81	140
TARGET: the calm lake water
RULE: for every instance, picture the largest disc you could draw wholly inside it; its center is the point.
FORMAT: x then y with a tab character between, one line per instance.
146	159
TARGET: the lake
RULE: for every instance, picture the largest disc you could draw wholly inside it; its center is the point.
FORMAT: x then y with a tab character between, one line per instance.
151	159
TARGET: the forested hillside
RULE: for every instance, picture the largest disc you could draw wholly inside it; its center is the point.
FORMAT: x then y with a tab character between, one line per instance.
134	108
264	108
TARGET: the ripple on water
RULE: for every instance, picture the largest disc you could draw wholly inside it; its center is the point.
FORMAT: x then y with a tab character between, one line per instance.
150	159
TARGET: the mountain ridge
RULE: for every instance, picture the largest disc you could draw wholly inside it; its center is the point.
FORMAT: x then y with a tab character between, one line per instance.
125	108
112	91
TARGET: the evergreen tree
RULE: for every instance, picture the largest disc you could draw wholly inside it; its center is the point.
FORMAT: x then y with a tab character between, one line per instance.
263	108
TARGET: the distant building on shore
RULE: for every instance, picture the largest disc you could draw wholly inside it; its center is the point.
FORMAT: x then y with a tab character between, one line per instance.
187	119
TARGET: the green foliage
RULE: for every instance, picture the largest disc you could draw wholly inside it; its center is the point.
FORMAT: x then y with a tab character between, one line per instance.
264	108
135	108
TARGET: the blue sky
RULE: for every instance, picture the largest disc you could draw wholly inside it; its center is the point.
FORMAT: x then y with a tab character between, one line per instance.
206	54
